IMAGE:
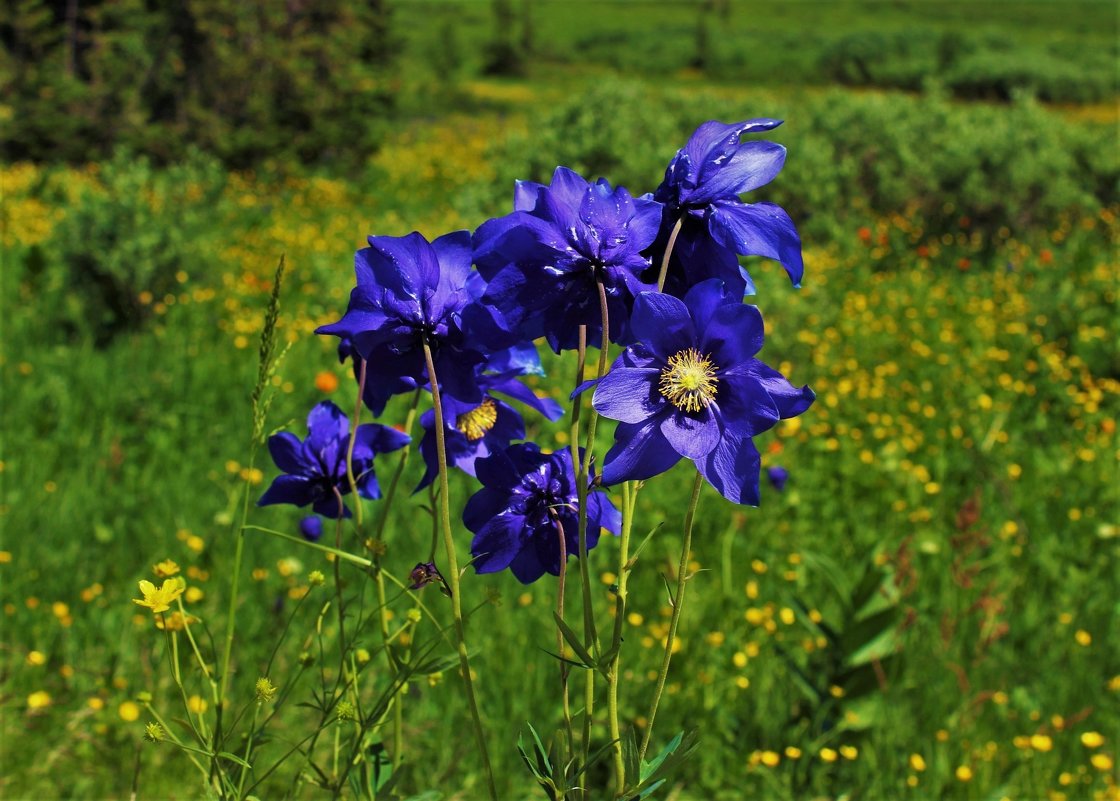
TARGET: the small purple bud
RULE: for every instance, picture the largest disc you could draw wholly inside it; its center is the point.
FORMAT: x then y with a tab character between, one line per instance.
424	574
311	528
778	477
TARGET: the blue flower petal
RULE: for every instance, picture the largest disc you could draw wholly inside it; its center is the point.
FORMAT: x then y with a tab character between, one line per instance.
751	165
640	451
662	322
629	394
692	435
287	452
758	229
296	490
497	542
733	468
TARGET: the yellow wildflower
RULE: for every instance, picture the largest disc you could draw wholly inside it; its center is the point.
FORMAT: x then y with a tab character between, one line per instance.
1102	762
165	569
1092	739
160	600
128	711
38	700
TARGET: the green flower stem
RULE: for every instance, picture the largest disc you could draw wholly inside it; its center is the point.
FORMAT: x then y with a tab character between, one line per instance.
248	752
197	654
560	584
583	471
231	616
338	552
452	574
378	578
668	252
170	734
629	498
678	603
353	441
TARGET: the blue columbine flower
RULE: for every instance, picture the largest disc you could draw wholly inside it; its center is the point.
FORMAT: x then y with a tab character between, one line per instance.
702	187
473	431
692	388
514	517
408	292
315	467
542	262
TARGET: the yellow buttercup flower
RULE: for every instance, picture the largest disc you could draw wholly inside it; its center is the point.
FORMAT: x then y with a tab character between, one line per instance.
165	569
160	600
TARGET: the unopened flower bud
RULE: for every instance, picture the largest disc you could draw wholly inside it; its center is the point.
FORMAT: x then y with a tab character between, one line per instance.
316	578
346	711
265	690
153	733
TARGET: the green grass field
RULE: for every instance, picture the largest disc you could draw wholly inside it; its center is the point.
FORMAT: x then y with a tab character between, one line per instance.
929	609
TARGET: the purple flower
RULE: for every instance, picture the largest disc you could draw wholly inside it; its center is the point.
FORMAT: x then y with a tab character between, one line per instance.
777	476
525	495
692	388
409	292
702	187
315	468
311	527
473	431
542	262
424	574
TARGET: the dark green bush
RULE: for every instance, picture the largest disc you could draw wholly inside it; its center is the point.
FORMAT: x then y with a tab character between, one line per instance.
852	156
119	249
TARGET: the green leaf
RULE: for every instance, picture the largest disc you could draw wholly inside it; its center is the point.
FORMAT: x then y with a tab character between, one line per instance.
573	640
234	758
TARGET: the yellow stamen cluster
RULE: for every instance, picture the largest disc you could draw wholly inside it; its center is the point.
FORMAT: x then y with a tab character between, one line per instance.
688	380
479	420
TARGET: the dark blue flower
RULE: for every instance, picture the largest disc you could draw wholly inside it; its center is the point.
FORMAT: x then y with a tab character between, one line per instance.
701	189
692	388
525	494
315	468
311	527
409	292
777	476
542	263
473	431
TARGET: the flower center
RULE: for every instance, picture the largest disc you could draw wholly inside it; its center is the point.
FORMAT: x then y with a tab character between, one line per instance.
478	421
688	380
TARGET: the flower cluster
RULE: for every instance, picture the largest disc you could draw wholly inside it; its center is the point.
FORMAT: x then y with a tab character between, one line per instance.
574	262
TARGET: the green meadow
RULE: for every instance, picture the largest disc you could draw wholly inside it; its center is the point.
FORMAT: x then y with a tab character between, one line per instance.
928	610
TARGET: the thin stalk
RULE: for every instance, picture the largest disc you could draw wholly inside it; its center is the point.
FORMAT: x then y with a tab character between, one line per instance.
678	603
629	497
352	442
337	565
248	752
379	579
583	472
668	252
452	575
560	584
170	734
231	616
341	554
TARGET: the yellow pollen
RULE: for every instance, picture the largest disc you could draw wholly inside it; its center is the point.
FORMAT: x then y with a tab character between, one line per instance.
475	423
689	380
